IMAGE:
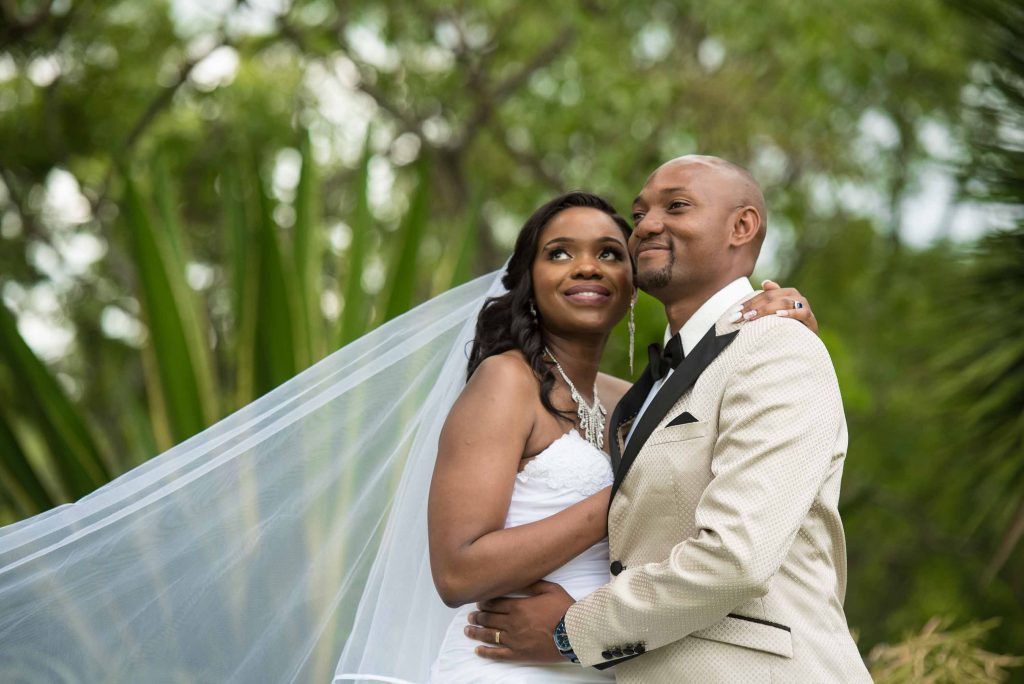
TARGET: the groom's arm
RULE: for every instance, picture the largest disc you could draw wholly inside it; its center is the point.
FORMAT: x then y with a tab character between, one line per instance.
781	432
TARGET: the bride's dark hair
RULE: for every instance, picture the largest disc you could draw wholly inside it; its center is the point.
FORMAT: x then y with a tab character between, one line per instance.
506	322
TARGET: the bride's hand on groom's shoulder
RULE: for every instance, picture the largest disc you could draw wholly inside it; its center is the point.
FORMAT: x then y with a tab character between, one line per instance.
779	301
520	629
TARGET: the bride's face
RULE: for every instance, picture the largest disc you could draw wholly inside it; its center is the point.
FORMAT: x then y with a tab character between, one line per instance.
582	274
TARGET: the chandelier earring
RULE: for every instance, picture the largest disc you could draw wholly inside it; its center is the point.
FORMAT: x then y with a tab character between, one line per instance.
631	324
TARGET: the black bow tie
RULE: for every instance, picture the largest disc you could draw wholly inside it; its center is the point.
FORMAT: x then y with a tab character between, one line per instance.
662	361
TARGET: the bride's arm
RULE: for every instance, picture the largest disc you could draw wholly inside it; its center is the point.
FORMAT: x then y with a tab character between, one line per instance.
472	557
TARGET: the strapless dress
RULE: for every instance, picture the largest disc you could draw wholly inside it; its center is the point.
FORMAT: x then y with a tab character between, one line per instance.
569	470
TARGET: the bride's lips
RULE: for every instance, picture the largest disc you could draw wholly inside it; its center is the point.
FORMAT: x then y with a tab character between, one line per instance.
589	294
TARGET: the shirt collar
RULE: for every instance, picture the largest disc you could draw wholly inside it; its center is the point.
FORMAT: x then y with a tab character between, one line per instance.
709	313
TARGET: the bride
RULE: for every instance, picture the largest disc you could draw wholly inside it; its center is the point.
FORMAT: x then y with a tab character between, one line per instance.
523	441
294	530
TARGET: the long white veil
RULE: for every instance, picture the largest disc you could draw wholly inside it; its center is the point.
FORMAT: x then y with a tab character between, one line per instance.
249	553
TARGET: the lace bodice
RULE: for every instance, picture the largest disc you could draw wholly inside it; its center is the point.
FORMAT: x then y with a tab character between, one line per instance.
569	463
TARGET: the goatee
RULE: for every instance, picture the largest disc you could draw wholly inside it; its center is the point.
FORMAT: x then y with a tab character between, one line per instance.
656	278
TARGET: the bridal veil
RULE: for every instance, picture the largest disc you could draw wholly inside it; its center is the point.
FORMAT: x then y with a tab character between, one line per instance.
286	543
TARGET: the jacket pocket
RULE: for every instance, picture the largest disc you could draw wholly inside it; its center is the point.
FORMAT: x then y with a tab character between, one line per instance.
749	632
678	433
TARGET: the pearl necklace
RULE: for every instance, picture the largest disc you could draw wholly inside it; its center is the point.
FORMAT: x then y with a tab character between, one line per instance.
591	417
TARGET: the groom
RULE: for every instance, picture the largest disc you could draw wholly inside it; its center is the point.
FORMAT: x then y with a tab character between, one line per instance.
728	555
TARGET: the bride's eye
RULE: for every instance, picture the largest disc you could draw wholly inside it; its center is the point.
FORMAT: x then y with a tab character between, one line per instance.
558	254
611	253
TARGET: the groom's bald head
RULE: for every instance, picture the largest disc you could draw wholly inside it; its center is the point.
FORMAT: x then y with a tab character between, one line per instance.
738	185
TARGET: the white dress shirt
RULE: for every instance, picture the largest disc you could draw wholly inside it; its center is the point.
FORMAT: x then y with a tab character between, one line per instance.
695	328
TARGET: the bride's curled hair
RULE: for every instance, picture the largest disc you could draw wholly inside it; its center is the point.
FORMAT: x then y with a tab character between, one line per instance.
507	322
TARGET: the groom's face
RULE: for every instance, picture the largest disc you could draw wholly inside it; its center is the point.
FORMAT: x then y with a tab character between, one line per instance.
681	240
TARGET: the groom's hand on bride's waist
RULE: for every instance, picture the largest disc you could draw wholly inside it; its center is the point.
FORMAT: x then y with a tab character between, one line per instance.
520	629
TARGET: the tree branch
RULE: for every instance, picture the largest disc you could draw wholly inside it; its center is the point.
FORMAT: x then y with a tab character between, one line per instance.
489	102
529	161
1014	532
164	98
408	120
18	201
19	29
146	119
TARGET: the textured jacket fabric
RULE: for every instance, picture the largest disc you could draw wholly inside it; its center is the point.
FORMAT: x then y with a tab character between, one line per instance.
727	549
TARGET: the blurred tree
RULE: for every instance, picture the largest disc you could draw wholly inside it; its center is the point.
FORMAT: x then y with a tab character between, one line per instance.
194	207
987	384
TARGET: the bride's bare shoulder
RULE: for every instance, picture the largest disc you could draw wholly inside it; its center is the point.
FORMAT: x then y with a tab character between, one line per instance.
502	388
507	371
497	399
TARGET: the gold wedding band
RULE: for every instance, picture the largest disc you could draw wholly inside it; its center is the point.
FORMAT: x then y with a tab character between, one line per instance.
497	637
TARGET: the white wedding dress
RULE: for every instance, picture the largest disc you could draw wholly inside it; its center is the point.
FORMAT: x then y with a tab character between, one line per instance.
566	472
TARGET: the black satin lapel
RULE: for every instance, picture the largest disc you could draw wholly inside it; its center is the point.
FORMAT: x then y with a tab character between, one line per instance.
626	409
681	380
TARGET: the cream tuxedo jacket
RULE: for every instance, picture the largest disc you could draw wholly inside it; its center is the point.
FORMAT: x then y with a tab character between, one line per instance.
728	555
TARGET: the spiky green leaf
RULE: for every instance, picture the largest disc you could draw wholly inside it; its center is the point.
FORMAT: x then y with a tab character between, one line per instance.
19	477
409	238
279	336
75	453
181	365
309	250
353	318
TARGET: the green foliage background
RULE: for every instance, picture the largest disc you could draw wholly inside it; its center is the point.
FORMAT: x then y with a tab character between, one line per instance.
182	239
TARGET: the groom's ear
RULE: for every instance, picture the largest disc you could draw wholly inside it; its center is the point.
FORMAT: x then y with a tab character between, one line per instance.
746	226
